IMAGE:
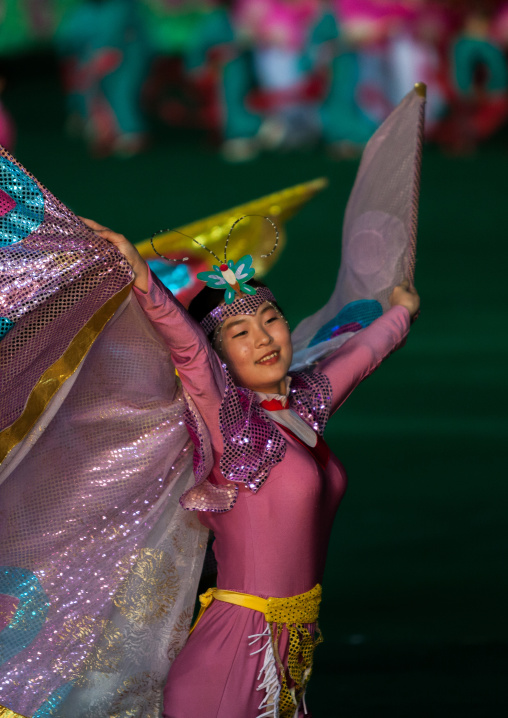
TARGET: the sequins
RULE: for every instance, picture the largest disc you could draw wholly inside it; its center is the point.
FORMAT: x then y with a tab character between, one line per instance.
5	326
241	305
252	443
21	202
310	396
51	283
292	613
31	610
90	495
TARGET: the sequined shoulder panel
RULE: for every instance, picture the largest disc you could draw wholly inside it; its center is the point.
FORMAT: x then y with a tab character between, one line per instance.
252	443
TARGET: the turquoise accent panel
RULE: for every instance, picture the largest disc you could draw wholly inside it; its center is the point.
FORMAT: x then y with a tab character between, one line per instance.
361	312
31	612
175	277
28	213
5	326
49	706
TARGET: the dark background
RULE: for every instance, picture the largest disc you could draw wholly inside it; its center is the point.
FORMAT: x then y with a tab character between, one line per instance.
414	613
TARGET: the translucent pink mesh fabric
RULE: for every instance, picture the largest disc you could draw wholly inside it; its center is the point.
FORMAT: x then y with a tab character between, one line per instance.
90	515
379	232
99	564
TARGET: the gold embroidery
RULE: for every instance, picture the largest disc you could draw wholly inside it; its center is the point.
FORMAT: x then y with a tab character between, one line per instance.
149	591
142	693
104	640
180	633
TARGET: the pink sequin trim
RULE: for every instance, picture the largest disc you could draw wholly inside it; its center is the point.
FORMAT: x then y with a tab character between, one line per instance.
247	304
252	443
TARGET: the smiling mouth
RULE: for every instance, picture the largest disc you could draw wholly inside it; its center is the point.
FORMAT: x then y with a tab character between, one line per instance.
269	358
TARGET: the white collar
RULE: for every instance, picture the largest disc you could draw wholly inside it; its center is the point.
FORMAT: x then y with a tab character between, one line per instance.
283	398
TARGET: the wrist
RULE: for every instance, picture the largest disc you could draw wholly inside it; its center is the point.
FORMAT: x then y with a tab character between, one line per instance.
140	269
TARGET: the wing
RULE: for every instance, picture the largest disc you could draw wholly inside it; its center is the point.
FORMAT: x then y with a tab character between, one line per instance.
253	236
379	234
100	565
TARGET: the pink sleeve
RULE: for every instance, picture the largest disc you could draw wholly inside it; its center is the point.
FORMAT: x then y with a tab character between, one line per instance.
198	366
363	353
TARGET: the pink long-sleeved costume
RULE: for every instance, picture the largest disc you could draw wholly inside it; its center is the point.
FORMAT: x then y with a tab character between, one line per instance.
271	543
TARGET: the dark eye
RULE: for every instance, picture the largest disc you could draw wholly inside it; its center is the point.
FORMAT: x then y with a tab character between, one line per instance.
240	334
272	319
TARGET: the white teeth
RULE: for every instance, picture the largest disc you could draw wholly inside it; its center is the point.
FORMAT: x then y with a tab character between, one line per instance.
270	356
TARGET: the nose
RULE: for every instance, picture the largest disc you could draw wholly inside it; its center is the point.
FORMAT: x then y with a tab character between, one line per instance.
263	336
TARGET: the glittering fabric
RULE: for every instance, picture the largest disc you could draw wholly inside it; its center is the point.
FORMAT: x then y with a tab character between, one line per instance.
311	397
93	544
292	613
55	273
99	564
242	305
252	443
204	496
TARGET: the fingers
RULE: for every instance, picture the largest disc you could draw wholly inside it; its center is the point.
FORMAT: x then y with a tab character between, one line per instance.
104	232
93	224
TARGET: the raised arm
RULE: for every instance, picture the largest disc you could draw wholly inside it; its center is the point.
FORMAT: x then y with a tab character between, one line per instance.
364	352
197	364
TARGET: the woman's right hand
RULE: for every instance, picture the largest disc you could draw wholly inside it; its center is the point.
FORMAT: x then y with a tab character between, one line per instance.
129	251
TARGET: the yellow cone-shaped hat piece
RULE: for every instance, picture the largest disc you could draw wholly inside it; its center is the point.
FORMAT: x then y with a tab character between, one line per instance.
251	236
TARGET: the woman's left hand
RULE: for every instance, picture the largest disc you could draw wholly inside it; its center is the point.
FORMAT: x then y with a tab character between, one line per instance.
404	295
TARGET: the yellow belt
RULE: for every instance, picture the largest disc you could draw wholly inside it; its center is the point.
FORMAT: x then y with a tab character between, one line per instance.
303	608
292	612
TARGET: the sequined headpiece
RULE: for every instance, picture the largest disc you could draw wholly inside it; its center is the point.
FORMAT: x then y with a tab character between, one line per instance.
242	305
232	277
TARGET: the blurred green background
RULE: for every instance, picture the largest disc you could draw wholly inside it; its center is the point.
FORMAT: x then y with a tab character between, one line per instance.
414	612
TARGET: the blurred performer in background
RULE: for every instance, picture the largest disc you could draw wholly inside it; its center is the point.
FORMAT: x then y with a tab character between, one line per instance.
105	62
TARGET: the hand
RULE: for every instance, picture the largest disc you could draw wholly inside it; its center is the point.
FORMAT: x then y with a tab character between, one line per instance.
404	295
129	251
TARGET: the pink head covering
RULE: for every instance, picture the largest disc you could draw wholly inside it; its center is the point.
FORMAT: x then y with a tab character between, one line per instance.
247	304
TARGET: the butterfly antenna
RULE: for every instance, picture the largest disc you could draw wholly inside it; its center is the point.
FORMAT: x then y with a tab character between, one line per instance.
177	231
264	256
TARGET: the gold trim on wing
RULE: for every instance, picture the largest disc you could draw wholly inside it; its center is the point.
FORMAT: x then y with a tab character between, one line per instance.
57	374
7	713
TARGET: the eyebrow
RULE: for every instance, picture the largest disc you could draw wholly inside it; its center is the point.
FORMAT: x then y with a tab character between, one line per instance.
233	324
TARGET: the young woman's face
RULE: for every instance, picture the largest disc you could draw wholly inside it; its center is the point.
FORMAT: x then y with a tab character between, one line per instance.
257	349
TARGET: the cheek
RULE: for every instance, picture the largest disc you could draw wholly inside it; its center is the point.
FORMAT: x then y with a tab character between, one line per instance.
236	356
284	337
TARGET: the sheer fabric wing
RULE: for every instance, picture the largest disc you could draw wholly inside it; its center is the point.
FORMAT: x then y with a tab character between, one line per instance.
379	234
99	565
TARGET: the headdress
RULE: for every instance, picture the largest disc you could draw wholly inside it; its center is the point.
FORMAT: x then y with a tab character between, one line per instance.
239	297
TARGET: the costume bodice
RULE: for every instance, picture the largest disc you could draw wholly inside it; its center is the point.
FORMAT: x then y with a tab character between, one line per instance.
274	542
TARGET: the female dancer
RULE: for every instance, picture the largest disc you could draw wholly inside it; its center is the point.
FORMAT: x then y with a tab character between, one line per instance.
250	655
